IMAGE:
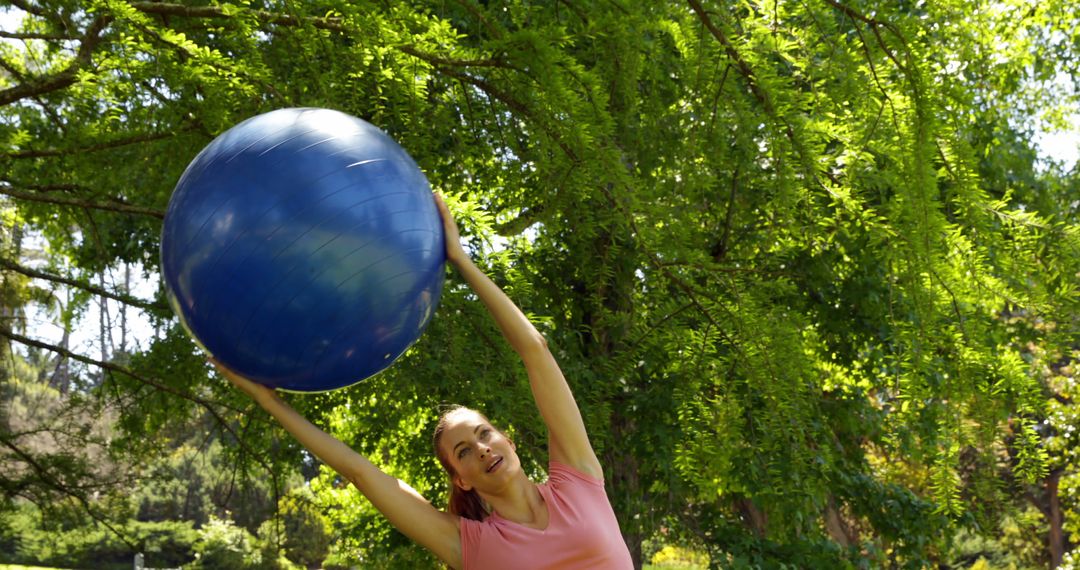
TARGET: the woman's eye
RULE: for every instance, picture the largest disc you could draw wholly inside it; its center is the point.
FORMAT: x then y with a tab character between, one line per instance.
462	453
485	434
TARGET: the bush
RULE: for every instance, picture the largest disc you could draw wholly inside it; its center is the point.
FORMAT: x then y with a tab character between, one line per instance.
28	540
306	530
195	481
678	557
165	544
224	546
273	545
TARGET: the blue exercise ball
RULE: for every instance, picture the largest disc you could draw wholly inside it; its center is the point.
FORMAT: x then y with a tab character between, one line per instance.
303	249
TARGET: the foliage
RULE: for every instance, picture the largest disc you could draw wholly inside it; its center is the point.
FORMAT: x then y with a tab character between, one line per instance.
814	291
673	556
300	530
29	537
197	483
224	545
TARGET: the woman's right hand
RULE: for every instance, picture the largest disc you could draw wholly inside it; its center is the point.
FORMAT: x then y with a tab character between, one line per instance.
257	391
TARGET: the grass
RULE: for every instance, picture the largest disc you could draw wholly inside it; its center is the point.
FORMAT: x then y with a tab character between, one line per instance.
662	566
646	567
21	567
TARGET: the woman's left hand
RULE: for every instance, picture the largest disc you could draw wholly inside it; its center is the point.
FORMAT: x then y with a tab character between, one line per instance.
257	391
454	252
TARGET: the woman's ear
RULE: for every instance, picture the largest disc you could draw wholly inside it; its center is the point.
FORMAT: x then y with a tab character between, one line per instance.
462	484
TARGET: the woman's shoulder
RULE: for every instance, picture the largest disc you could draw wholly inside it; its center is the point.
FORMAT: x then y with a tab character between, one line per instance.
561	473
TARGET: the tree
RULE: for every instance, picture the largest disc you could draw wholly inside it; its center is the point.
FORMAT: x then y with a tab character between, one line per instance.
778	247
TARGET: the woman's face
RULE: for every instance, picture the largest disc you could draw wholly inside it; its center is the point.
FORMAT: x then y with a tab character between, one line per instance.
482	457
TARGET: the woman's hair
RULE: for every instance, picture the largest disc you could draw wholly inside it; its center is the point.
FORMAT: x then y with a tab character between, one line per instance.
463	503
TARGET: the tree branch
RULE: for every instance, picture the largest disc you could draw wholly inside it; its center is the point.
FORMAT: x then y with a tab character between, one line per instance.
436	60
111	367
495	32
721	248
955	303
759	93
74	202
873	68
517	225
514	105
10	67
734	56
47	478
44	188
632	345
63	79
264	16
37	11
267	17
336	24
126	299
118	369
39	85
32	36
149	137
874	25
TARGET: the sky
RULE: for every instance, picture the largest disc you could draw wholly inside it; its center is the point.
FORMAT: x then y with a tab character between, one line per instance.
1063	146
9	21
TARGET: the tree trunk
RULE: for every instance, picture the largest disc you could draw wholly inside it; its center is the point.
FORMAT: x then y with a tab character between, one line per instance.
754	518
103	311
837	528
1048	502
10	246
626	484
123	308
612	295
61	376
1056	537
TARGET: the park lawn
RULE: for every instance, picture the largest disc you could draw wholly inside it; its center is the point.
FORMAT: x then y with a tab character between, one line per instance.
21	567
645	567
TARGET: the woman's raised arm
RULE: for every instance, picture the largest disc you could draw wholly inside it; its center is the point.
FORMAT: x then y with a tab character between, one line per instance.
409	512
568	441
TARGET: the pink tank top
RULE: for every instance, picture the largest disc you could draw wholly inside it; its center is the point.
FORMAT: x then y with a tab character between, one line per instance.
582	532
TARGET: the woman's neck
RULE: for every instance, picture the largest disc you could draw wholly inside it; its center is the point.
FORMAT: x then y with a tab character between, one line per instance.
522	503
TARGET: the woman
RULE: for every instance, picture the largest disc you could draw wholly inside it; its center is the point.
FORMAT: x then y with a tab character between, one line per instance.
498	519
